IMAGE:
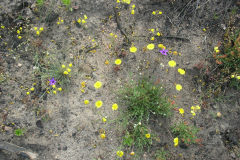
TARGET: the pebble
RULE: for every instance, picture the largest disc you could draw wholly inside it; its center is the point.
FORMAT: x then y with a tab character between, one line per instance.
233	155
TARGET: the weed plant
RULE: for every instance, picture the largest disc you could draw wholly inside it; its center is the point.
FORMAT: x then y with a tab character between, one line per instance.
19	132
67	3
162	155
186	133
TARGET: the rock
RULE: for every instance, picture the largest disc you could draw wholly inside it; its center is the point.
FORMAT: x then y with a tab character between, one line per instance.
233	155
39	124
183	146
234	140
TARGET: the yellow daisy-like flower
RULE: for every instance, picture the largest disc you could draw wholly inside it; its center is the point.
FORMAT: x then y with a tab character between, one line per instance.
86	102
120	153
172	63
63	66
70	65
193	113
53	86
103	136
181	111
114	106
54	92
181	71
150	46
152	39
85	17
104	119
132	11
153	12
69	70
98	85
98	104
32	89
133	49
65	72
118	61
106	62
28	93
60	89
37	32
175	141
158	34
148	135
178	87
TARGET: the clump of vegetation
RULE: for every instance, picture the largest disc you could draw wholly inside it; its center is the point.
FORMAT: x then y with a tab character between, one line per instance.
162	155
19	132
67	3
144	98
185	133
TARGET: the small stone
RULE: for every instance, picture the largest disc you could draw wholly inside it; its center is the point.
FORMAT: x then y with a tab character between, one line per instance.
233	155
59	148
219	114
214	106
73	134
183	146
65	148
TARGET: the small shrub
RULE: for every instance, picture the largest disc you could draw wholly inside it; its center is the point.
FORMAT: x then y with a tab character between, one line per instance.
144	98
19	132
161	154
185	133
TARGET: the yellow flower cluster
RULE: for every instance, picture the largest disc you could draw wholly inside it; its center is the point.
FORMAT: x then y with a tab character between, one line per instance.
216	50
60	21
68	70
120	153
82	20
181	71
132	9
161	46
194	109
156	12
124	1
38	31
111	34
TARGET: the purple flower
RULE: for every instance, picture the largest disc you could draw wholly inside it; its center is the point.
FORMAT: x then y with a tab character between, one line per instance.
164	52
52	82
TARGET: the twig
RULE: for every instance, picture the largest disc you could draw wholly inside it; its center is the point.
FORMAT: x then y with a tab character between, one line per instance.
163	136
119	26
170	21
92	48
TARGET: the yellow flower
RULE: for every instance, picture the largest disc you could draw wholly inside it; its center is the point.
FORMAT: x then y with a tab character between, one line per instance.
114	106
120	153
58	23
153	12
106	62
63	66
103	136
132	12
150	46
85	17
19	37
115	36
98	104
83	84
133	49
53	86
204	29
41	29
158	34
132	153
32	89
160	46
232	76
54	92
18	32
104	119
215	48
175	141
193	113
86	102
148	135
152	38
198	107
118	1
37	33
62	20
98	85
111	34
181	111
2	27
159	12
35	28
65	72
28	93
70	65
238	77
69	70
175	52
178	87
217	51
118	61
133	6
79	20
152	30
181	71
83	21
60	89
172	63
